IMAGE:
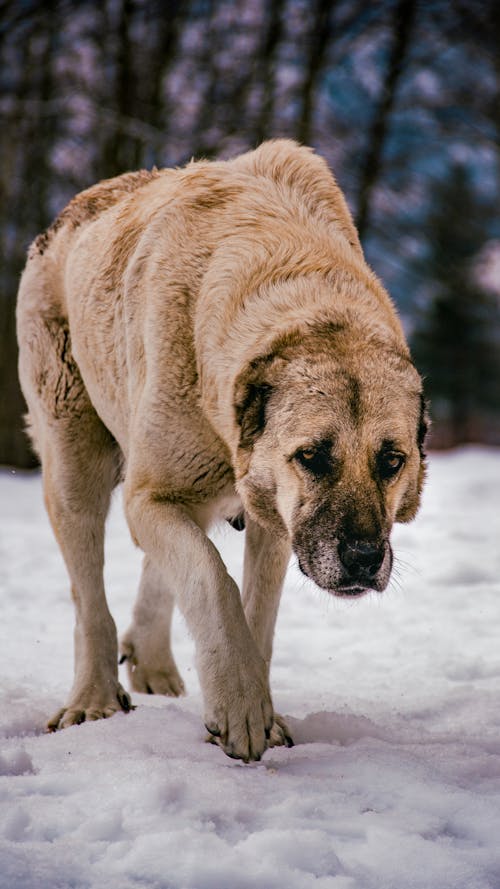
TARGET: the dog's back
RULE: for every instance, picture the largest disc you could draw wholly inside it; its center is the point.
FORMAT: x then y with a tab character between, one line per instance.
175	213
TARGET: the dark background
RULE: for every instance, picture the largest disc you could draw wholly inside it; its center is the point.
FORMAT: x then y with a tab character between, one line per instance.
402	97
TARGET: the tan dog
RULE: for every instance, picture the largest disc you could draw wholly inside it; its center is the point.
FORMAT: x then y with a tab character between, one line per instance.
214	336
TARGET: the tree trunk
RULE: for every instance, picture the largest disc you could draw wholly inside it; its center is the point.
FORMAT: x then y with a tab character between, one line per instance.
27	204
320	35
267	56
404	16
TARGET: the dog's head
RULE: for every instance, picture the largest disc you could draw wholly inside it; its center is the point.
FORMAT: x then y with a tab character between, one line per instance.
331	452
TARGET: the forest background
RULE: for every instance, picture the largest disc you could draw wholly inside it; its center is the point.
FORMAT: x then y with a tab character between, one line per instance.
402	98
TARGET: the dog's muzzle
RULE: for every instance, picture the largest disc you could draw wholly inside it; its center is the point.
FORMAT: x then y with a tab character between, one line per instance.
347	567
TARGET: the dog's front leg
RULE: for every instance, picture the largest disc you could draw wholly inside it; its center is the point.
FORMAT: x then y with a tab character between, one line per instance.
146	644
266	561
233	673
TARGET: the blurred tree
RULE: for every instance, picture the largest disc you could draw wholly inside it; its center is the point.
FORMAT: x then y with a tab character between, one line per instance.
386	91
321	33
136	45
403	16
26	183
272	36
456	343
122	149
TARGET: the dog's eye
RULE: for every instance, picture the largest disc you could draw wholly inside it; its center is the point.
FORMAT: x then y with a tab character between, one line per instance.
389	463
307	455
315	460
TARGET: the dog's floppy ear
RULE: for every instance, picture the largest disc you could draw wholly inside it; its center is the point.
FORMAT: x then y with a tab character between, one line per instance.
423	424
411	501
252	391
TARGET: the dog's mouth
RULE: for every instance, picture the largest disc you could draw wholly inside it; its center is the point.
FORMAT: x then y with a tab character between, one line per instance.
346	590
344	587
350	591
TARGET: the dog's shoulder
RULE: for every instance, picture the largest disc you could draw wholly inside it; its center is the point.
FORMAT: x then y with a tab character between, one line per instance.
307	180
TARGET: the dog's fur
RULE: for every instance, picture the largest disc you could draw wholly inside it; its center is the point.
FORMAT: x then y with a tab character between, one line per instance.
214	336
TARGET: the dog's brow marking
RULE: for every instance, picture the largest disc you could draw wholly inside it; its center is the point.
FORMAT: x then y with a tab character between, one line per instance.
388	444
354	398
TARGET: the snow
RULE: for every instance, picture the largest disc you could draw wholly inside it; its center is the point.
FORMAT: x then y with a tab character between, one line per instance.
393	700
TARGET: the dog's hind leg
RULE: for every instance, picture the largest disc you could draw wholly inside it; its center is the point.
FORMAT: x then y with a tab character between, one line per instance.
80	466
146	645
79	472
266	561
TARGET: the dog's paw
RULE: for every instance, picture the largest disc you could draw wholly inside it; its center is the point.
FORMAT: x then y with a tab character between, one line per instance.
240	719
150	677
245	737
279	735
89	708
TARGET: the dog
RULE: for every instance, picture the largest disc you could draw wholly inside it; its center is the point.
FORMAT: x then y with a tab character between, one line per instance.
213	337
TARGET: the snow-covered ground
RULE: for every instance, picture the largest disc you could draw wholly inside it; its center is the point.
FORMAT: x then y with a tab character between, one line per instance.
394	703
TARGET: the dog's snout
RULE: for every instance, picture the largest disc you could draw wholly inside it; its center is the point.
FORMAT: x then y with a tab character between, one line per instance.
362	558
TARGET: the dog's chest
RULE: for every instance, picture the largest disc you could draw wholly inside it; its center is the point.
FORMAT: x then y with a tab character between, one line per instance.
225	506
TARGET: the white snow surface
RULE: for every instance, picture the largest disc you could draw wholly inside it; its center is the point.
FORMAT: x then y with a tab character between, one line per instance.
393	701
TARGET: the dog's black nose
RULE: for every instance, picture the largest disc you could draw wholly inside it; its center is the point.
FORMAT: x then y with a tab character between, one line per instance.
361	558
